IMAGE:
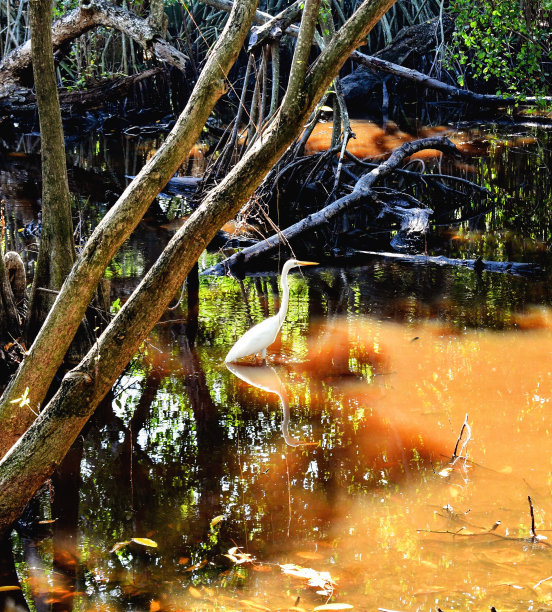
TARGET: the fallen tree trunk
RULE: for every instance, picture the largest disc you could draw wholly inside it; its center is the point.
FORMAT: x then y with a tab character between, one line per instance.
22	99
361	192
379	64
14	68
455	93
479	265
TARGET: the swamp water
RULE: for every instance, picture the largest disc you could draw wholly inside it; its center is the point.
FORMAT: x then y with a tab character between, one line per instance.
326	476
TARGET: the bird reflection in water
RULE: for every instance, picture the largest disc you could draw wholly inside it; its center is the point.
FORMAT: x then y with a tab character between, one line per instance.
267	379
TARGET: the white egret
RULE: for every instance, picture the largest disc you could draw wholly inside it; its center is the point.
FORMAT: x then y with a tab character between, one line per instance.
256	339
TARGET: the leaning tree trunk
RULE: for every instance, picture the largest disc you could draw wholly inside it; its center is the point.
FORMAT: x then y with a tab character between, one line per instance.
10	326
48	350
43	446
57	252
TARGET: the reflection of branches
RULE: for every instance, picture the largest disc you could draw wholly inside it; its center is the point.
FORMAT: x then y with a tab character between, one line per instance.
488	532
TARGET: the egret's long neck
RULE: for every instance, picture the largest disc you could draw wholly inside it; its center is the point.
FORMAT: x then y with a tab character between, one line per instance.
285	293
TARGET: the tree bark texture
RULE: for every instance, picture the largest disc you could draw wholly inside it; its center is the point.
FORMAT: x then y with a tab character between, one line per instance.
42	447
36	372
57	251
10	325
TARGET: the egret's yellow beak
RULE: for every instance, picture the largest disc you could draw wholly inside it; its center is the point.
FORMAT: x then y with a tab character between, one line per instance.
308	263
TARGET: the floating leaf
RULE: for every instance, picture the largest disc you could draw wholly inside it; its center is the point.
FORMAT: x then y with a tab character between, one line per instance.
306	554
9	588
217	520
145	542
238	557
334	606
155	606
119	545
183	560
196	593
196	566
319	580
261	568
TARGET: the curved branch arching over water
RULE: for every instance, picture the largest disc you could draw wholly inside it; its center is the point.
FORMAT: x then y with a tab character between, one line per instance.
266	379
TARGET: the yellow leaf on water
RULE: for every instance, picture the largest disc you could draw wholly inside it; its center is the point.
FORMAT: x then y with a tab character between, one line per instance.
10	588
196	566
155	606
217	520
195	593
145	542
334	606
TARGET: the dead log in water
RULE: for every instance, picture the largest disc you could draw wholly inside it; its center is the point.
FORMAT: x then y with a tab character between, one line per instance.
479	264
413	219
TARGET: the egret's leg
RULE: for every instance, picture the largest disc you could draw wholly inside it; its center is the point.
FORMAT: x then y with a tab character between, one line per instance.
263	355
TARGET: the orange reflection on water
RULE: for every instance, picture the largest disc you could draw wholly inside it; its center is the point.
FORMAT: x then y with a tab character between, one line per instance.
371	504
396	547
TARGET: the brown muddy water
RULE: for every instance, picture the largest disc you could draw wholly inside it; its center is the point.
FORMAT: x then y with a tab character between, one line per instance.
326	478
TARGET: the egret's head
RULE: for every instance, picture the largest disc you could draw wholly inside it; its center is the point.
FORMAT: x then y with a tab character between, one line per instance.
298	262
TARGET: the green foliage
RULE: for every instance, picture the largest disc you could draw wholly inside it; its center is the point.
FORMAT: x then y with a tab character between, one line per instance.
504	43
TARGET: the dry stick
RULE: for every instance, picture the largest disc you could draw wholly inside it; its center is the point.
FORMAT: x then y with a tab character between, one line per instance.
275	51
465	426
264	84
405	172
311	124
254	112
493	534
533	532
227	154
274	27
347	132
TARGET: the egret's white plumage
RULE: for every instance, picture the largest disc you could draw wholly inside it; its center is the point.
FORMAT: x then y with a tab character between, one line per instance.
256	339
